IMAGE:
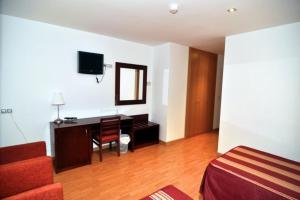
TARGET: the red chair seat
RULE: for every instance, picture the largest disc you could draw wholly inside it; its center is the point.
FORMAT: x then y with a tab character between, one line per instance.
109	138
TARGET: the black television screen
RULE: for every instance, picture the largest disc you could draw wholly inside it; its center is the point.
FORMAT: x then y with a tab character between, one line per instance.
90	63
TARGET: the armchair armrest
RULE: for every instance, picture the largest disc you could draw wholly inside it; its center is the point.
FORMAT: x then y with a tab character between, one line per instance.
22	152
25	175
48	192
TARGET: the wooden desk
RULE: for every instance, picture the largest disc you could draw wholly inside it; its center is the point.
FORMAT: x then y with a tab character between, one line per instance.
71	143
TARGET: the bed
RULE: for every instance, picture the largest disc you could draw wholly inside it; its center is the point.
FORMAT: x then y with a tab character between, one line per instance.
245	173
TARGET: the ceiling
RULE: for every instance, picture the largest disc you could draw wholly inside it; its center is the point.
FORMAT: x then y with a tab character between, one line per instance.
201	24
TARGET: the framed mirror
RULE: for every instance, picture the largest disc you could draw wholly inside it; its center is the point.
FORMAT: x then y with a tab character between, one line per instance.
130	84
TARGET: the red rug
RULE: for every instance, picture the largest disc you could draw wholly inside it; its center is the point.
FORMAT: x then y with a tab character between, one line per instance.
168	193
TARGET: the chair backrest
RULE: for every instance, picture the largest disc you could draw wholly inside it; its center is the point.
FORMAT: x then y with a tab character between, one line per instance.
110	126
143	118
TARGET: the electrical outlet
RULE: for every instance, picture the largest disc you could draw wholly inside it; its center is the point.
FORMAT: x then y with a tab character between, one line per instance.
9	110
108	65
5	111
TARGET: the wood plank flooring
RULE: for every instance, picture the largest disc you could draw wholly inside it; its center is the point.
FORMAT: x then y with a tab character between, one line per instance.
135	175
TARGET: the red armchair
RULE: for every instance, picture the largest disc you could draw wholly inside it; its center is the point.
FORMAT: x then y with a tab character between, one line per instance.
26	173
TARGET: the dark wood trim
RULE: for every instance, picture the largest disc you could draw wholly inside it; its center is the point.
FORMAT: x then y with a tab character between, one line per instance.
117	83
137	84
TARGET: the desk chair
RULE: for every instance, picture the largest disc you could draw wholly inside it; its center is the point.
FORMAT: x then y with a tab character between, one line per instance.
109	132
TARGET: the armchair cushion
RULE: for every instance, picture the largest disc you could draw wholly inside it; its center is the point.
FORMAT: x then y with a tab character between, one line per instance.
22	152
48	192
25	175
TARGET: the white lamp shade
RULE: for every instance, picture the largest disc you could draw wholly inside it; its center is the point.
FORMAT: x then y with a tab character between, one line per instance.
58	99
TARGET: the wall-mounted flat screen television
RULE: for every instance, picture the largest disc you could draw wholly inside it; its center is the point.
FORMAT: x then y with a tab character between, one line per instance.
90	63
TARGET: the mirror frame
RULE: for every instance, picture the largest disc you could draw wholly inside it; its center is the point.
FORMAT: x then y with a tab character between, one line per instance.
120	65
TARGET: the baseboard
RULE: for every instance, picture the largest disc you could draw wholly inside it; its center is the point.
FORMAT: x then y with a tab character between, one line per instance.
171	142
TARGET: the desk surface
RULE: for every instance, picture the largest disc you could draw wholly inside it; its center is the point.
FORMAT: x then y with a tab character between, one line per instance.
87	121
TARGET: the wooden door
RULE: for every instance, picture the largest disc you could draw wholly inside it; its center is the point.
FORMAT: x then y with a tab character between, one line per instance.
200	92
72	147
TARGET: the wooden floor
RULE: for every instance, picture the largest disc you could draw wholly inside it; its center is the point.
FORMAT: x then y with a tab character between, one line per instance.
135	175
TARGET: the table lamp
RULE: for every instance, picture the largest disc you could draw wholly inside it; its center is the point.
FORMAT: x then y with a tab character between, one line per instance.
57	101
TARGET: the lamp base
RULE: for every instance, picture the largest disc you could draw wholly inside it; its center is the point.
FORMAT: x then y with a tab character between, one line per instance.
58	121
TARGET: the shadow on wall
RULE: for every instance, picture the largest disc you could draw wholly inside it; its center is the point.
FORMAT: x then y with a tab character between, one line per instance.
233	135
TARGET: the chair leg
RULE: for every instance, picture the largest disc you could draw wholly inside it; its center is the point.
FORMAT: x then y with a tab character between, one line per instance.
100	152
110	145
118	147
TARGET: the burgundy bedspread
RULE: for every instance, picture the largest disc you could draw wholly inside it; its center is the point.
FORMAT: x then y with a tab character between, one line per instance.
169	192
244	173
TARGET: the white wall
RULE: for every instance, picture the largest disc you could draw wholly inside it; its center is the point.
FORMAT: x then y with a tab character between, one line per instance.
160	82
178	74
169	90
1	62
38	59
261	91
